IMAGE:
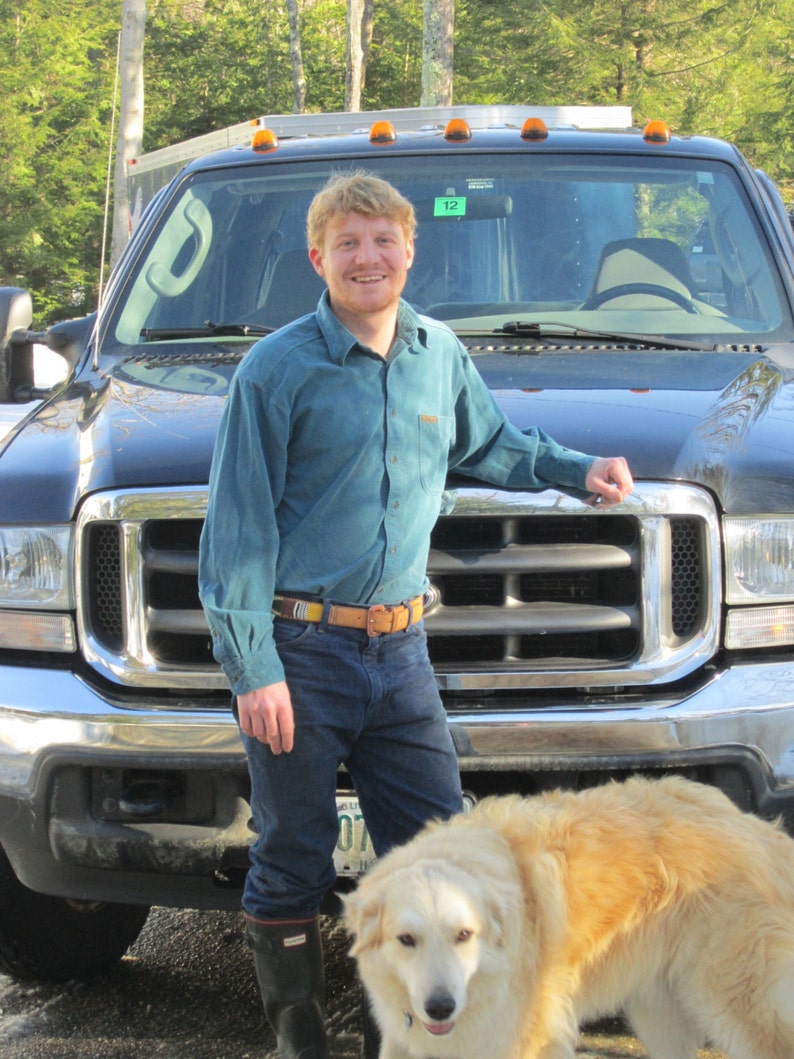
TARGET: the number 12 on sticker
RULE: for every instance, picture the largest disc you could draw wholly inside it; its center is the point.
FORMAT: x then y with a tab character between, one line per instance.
450	206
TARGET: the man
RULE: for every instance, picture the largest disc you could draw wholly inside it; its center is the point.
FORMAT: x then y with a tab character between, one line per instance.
328	477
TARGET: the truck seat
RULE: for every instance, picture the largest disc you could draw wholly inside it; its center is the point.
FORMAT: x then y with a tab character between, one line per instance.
659	262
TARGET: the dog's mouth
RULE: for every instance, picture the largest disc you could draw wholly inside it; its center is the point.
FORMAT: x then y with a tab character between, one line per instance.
438	1029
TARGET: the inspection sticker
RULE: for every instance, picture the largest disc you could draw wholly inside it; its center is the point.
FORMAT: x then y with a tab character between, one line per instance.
450	206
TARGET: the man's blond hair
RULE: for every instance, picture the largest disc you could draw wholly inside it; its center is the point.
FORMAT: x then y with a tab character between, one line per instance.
361	193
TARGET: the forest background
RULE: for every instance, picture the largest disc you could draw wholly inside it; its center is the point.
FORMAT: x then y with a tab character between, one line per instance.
725	69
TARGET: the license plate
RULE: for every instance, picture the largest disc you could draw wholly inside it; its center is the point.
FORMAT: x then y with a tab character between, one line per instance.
353	853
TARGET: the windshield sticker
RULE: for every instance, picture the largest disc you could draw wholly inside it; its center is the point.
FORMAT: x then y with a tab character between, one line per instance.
450	206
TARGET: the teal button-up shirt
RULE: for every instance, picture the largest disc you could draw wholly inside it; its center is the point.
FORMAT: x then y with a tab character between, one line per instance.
330	468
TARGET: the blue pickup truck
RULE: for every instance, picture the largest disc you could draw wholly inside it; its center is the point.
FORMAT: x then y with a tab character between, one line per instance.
629	290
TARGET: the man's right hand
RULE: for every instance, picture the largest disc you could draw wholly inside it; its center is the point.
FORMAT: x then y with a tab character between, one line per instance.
266	714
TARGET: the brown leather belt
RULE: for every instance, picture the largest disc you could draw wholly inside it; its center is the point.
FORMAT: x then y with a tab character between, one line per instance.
378	620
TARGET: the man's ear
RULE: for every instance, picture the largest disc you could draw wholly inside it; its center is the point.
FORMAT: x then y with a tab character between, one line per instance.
316	259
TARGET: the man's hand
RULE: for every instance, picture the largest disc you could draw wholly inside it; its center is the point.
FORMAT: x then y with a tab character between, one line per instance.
609	480
266	714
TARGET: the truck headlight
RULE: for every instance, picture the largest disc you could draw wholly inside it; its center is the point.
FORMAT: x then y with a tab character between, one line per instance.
37	578
759	559
759	569
36	567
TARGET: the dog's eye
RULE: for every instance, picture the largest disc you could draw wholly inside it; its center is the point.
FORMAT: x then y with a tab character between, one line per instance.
408	940
464	935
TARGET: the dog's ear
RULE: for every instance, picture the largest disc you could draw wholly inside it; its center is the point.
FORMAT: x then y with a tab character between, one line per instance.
363	917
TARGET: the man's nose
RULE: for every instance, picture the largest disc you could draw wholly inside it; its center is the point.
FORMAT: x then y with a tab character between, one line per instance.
367	250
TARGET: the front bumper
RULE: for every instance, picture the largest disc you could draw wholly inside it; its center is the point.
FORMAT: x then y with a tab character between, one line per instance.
64	749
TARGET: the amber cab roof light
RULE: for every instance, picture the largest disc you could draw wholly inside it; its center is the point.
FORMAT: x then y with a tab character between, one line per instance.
534	129
264	140
457	130
382	132
657	132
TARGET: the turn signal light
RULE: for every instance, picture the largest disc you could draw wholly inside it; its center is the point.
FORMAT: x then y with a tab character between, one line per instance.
457	129
264	140
657	132
382	132
534	129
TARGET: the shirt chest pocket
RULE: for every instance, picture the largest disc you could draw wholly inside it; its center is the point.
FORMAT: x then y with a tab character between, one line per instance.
435	438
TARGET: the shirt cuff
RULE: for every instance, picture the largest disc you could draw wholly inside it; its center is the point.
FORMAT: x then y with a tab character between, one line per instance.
250	674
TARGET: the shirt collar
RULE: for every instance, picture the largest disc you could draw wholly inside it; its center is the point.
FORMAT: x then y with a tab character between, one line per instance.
340	341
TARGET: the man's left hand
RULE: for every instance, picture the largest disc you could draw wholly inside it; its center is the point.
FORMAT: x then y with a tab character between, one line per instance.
609	481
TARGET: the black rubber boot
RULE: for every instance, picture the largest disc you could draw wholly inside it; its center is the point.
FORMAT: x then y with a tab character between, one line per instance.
288	957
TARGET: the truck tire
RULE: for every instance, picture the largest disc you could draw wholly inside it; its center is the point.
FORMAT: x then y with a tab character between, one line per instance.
53	939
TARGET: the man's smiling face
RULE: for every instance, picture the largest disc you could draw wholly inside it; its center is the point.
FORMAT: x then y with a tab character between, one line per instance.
365	261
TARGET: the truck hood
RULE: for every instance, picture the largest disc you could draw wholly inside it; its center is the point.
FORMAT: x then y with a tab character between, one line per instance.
141	424
722	420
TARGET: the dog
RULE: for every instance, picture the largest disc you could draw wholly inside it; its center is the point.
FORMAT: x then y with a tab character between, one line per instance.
494	935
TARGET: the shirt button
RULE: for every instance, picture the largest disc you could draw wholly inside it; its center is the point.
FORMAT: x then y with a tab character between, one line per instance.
396	504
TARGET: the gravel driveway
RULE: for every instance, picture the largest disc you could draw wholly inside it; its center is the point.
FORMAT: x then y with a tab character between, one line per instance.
187	991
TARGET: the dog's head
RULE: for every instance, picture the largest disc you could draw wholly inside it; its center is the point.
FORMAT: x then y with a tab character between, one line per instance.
421	934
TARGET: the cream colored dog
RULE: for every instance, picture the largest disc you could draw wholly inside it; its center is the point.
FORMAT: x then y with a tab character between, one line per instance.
494	935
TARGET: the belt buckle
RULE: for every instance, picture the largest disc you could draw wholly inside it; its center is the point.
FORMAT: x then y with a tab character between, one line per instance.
372	612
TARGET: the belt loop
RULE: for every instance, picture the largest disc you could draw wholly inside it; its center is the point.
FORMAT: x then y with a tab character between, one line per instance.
322	625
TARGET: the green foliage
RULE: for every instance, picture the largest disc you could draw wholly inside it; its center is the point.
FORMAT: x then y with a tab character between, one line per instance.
705	66
212	64
56	70
394	73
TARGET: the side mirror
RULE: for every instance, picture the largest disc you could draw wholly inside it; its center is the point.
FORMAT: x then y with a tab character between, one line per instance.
16	359
68	339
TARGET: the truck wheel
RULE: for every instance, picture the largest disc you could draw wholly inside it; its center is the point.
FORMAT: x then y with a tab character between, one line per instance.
50	938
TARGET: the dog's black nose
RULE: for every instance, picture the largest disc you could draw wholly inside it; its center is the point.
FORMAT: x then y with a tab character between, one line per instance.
440	1006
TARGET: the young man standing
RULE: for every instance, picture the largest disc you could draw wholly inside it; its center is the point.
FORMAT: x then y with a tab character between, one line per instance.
327	480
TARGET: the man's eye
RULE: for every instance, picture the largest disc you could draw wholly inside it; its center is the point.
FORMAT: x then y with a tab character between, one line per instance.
408	940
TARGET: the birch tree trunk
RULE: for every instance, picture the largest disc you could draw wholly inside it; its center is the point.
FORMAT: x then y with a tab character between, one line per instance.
366	35
129	141
354	68
296	59
438	24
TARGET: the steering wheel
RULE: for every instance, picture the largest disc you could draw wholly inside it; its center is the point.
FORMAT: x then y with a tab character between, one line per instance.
610	293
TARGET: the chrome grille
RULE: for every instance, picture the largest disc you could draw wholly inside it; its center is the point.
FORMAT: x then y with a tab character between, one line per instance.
687	575
105	599
530	590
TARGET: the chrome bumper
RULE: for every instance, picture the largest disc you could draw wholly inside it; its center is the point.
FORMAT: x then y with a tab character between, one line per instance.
54	728
749	707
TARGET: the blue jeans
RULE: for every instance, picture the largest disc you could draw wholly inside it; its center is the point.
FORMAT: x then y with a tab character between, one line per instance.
372	704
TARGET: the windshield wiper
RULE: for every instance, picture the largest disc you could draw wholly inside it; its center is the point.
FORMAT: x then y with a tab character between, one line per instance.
208	330
558	329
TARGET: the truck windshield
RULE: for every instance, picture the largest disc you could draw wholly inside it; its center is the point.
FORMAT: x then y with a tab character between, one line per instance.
614	244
